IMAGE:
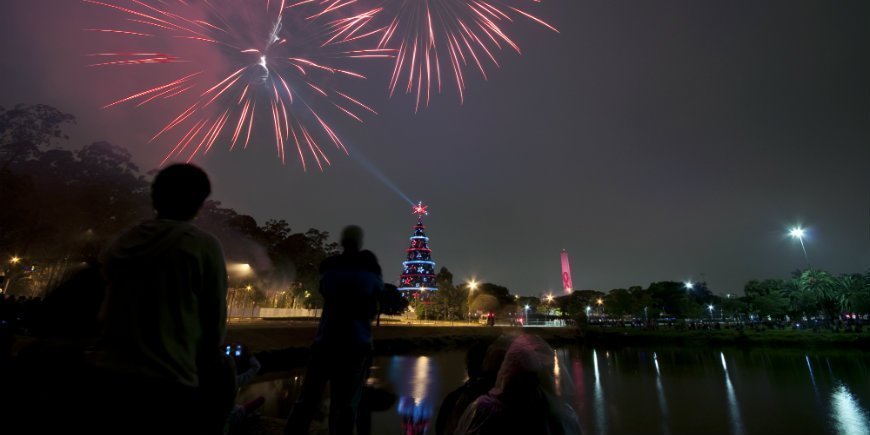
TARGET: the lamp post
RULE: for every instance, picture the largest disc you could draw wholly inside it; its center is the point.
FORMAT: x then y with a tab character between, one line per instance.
8	275
799	233
600	302
472	286
527	315
710	308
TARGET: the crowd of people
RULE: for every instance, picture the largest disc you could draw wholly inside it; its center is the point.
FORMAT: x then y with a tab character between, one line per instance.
134	342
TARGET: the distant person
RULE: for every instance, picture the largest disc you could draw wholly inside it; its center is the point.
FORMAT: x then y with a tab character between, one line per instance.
164	317
524	399
350	284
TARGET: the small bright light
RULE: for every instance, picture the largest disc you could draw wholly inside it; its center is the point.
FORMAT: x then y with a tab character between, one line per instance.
689	285
248	287
599	301
710	307
472	285
797	232
549	298
15	260
527	307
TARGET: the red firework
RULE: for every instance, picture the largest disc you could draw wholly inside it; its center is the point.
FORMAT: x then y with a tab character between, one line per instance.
277	61
435	37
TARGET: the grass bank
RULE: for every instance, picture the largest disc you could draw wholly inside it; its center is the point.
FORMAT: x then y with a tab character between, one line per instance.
296	337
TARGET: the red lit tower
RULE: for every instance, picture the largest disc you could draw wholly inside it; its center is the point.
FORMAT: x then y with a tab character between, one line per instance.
418	271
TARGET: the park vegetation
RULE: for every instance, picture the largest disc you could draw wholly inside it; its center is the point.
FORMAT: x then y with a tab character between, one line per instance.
61	203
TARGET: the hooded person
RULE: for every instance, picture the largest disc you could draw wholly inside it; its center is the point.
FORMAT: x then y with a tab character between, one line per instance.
525	397
482	362
164	315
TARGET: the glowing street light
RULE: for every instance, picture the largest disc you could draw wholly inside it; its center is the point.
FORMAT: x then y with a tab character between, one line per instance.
549	298
15	259
710	308
689	285
472	286
799	233
527	315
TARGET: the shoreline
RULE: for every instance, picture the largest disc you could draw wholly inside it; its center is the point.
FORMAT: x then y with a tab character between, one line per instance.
289	341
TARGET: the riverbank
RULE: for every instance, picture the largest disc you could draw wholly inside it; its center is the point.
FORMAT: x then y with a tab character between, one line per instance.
295	337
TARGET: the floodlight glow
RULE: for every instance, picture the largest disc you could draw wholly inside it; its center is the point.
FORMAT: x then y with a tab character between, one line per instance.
797	232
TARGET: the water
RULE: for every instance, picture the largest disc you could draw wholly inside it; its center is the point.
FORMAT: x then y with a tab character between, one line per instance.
667	391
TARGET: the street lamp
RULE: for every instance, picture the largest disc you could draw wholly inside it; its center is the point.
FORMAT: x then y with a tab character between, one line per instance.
689	285
472	286
799	233
710	308
8	274
527	314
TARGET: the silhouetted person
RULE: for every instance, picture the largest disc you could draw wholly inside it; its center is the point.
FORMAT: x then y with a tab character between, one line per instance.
524	399
71	310
482	363
164	316
350	284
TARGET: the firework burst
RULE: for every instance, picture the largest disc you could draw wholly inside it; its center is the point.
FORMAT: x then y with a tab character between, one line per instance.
435	40
275	60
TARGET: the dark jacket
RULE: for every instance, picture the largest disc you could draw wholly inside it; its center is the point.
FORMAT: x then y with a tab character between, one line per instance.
351	284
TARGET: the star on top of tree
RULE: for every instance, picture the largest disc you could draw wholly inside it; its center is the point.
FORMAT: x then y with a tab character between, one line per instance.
420	209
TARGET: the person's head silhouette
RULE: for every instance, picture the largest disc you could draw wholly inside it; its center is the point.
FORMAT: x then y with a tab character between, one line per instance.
179	191
352	238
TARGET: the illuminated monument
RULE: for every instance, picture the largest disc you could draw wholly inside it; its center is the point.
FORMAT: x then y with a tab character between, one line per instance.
418	271
566	273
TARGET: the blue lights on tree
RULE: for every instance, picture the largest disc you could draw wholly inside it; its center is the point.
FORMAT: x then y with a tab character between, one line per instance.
418	271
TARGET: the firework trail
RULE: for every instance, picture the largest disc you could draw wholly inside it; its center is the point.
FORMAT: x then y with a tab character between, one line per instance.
436	40
277	62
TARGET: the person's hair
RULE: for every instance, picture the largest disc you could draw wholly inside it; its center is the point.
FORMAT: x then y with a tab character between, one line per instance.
352	238
179	190
475	356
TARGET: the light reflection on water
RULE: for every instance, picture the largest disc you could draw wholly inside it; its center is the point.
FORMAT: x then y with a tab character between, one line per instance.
660	392
847	413
733	407
695	390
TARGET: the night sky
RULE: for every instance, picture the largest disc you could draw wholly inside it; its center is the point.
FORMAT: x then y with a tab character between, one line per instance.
654	140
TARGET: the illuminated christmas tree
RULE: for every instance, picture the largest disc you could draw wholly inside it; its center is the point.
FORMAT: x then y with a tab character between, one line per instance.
418	276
